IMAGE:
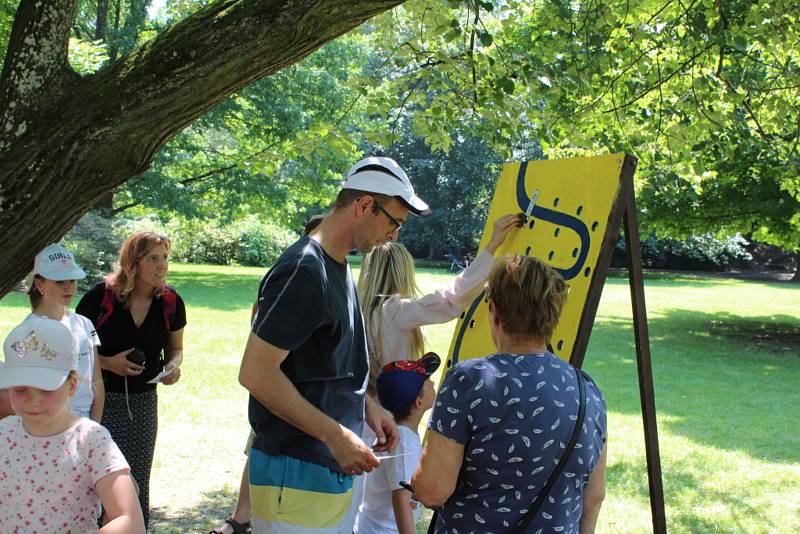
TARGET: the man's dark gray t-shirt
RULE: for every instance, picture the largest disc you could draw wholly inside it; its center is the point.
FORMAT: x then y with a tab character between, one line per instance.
308	306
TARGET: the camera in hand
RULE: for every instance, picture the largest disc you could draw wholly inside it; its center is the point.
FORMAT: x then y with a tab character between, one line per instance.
136	356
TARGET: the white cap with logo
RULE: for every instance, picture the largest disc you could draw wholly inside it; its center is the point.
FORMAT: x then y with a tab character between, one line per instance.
383	175
55	262
38	353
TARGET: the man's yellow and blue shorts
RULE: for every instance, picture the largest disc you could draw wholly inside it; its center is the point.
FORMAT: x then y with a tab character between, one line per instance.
292	496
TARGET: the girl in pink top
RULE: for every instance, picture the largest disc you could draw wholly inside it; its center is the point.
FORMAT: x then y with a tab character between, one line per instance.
56	468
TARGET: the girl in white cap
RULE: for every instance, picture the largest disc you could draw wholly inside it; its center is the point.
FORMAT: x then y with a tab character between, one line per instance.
64	466
55	276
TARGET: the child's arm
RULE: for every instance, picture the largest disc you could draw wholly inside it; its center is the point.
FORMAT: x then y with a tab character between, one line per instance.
123	513
401	503
98	390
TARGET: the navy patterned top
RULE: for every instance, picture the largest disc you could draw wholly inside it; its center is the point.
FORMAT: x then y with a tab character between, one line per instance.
515	414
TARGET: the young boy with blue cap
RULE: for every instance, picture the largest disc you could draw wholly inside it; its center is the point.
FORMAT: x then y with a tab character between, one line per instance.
405	389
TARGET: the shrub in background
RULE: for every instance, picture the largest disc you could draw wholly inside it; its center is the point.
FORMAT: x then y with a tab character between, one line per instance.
697	253
246	242
260	243
95	242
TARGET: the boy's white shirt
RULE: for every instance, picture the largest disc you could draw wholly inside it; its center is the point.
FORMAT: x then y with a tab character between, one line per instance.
377	514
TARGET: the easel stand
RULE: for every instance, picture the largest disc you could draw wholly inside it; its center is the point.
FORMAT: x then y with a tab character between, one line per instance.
625	209
610	179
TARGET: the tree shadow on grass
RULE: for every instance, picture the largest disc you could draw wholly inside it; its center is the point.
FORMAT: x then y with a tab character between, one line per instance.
720	379
687	498
205	514
656	277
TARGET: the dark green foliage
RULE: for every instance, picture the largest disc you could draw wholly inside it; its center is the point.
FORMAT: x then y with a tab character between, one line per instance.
458	185
95	243
8	9
273	148
96	239
697	253
262	243
246	242
198	241
705	94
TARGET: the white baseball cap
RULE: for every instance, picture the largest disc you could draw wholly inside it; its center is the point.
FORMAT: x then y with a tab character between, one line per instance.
38	353
383	175
57	263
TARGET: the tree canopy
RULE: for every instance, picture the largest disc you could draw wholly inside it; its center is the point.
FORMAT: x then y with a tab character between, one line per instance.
98	96
66	140
705	93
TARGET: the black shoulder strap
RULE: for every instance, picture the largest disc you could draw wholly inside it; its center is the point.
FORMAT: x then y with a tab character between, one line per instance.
545	491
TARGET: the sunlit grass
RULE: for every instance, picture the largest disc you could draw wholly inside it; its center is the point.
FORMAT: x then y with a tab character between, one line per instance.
726	360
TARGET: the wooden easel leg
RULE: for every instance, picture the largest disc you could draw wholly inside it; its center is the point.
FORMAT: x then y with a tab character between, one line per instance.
643	360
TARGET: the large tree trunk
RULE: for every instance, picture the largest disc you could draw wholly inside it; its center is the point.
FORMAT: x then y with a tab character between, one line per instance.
66	141
796	277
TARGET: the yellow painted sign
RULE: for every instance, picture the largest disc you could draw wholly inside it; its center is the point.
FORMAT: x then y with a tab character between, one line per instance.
565	229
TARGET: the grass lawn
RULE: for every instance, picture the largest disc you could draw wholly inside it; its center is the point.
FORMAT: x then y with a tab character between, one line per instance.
726	358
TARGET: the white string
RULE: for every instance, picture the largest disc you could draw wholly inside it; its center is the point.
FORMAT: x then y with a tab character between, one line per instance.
126	398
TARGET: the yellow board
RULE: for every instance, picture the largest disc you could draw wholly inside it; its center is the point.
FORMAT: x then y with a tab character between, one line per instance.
566	230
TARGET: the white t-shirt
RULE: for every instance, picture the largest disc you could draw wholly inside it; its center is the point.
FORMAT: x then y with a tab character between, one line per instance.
50	487
84	339
377	514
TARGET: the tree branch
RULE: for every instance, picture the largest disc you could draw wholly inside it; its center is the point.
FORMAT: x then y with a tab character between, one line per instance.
116	211
661	81
189	68
92	134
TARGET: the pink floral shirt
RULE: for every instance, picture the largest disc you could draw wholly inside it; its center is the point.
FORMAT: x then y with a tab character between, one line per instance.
47	484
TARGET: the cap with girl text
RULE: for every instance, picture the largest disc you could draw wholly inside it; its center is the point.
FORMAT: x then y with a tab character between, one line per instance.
55	262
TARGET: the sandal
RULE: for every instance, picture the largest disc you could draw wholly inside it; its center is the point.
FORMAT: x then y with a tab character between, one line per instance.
238	528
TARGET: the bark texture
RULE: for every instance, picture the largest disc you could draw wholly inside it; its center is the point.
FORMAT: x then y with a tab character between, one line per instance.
65	141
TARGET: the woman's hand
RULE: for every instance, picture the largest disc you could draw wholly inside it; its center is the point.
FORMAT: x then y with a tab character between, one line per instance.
501	229
175	357
174	376
120	365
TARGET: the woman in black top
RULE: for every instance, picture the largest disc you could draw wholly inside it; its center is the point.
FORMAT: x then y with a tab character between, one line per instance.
137	316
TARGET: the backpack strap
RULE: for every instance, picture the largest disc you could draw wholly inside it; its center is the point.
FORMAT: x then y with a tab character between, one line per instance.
543	493
169	298
106	306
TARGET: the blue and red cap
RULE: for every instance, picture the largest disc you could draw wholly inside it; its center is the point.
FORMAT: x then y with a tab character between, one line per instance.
400	382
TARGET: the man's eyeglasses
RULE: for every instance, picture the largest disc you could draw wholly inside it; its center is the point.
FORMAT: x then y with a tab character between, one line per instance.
397	224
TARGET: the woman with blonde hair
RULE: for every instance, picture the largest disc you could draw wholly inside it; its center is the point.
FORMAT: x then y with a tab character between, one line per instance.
140	322
391	303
